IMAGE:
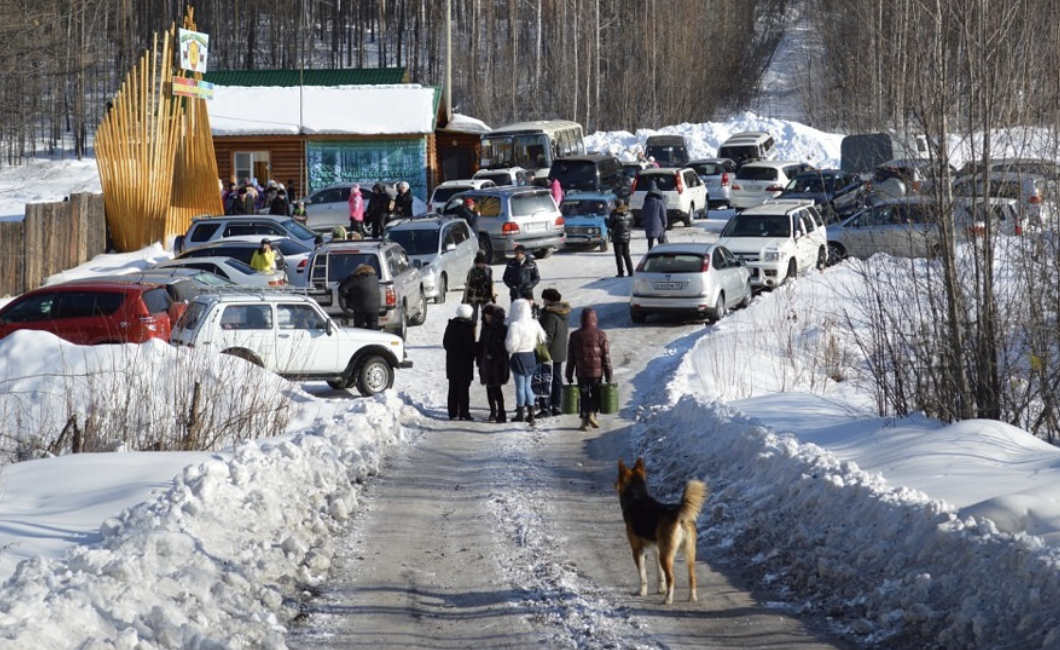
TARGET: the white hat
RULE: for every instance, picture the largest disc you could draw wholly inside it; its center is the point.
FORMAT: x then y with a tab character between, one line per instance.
464	311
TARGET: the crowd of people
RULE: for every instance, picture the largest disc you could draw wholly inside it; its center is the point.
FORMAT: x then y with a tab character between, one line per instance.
530	346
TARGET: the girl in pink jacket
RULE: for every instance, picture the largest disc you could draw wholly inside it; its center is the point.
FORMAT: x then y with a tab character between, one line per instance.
356	210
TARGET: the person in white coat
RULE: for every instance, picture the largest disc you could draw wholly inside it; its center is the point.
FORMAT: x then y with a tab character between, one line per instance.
524	334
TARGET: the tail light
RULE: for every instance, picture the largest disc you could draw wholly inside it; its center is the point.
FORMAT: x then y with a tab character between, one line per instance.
916	186
775	188
559	222
633	186
391	297
1035	199
1018	229
301	265
724	179
736	186
640	264
706	264
679	184
277	282
509	228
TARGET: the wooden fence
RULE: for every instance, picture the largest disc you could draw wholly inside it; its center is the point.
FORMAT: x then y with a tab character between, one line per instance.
53	237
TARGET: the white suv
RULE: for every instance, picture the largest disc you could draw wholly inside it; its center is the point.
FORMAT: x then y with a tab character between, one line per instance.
293	337
757	182
778	240
684	191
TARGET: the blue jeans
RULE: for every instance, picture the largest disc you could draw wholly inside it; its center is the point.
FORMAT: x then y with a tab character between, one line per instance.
524	392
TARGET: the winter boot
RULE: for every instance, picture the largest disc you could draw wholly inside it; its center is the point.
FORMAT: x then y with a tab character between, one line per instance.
592	421
518	414
530	415
585	425
493	415
502	416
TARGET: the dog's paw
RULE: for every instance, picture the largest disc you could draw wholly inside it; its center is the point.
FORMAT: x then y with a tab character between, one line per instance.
693	598
643	591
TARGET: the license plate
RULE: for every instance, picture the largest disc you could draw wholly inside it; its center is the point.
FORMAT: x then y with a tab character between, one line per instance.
534	227
669	286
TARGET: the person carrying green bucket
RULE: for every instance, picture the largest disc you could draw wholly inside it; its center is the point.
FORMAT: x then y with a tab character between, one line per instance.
589	355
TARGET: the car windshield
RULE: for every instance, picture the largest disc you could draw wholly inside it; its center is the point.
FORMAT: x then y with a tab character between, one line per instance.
811	183
574	174
673	263
240	266
525	205
291	247
738	152
297	230
418	241
663	182
750	173
443	194
583	208
708	168
758	225
341	265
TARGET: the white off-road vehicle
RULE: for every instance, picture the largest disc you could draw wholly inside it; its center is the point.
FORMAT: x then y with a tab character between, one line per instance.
778	240
293	337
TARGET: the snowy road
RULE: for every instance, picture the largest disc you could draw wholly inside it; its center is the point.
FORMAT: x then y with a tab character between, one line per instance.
499	536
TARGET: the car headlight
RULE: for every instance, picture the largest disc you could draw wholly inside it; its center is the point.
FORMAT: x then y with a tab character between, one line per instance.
772	255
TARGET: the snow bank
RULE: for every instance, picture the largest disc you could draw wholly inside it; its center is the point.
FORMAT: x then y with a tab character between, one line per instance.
220	559
886	564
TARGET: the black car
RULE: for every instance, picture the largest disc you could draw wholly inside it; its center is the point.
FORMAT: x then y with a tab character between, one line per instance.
591	173
835	192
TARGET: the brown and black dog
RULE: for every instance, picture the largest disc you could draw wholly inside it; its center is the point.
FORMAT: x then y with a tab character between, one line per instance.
660	526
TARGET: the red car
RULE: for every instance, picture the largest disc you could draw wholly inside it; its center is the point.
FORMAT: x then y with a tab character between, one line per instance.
91	313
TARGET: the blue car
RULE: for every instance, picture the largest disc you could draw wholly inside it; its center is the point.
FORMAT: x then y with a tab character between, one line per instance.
585	217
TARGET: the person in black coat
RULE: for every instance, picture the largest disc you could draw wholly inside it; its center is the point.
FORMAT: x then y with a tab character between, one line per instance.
553	320
359	294
492	358
459	344
403	205
378	207
620	227
521	275
654	216
466	211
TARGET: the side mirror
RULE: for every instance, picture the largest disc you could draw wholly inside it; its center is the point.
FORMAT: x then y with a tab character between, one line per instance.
330	327
449	248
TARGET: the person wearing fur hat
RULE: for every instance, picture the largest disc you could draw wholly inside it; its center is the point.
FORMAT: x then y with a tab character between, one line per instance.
478	286
359	297
459	344
553	320
492	358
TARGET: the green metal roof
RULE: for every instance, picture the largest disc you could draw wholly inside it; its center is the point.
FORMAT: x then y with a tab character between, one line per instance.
288	78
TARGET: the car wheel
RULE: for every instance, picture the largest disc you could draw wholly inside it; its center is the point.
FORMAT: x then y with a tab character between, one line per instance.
718	312
746	298
690	216
822	258
245	355
374	375
486	246
836	252
403	327
638	316
421	311
443	288
606	243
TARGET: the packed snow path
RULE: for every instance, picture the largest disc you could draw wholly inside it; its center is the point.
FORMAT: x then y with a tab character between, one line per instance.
501	536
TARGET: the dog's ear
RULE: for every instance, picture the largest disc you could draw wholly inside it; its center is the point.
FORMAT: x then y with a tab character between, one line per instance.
639	468
622	469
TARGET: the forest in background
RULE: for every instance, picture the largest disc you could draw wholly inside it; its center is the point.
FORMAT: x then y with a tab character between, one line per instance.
609	64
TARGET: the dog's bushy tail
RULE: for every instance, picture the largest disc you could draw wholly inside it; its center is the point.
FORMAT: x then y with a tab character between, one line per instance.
696	492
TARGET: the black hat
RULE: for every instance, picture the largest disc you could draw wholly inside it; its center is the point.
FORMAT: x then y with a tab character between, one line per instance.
520	249
266	241
480	258
551	295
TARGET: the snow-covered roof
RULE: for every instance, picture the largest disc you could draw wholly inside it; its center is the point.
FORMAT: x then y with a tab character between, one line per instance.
466	124
332	110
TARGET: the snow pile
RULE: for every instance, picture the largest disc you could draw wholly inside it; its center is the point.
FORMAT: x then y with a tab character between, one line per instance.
221	558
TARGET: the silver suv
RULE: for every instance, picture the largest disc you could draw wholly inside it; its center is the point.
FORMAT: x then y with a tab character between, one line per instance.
291	336
404	298
442	248
510	216
207	229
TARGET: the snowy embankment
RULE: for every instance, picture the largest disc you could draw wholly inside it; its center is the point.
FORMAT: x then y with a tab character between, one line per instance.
221	558
889	565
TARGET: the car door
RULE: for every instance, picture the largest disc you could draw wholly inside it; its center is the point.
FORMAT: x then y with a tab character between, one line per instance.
249	327
328	209
739	276
303	345
464	255
857	234
805	250
405	278
697	190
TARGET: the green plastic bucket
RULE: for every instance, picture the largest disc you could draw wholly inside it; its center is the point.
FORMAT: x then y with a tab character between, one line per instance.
571	397
609	399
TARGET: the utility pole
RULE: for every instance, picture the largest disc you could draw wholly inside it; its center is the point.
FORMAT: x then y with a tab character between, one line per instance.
448	60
